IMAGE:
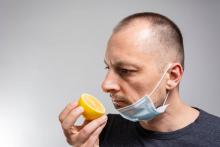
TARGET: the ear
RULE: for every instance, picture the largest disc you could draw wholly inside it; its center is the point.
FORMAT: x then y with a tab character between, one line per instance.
175	75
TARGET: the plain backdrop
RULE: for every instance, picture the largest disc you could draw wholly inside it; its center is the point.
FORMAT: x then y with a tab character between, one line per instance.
52	51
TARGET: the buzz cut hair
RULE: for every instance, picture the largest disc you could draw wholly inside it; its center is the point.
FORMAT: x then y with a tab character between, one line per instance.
165	29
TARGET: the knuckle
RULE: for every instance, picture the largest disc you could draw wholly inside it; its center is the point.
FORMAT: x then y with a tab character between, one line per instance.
65	125
83	136
84	132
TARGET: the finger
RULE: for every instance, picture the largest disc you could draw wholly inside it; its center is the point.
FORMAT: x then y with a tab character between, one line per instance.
94	138
76	128
71	118
66	110
86	131
76	138
86	122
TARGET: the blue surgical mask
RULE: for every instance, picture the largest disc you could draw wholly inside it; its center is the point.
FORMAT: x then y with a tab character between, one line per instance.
144	108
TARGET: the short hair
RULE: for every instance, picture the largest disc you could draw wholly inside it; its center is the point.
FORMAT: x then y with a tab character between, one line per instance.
168	32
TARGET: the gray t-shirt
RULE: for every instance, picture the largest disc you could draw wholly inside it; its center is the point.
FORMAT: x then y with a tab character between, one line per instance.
203	132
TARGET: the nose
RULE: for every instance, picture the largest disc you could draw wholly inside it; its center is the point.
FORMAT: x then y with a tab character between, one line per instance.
110	83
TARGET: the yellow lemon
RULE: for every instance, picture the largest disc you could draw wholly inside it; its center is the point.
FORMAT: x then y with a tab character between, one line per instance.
93	108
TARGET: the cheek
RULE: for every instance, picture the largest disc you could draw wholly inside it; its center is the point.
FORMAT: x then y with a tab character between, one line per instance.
138	89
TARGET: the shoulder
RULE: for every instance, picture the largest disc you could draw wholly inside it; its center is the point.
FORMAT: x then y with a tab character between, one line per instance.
208	125
208	128
209	119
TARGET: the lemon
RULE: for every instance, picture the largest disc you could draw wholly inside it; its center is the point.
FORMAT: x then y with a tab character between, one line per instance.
93	108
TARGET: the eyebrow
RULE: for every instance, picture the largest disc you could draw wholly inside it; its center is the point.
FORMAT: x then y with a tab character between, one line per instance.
123	63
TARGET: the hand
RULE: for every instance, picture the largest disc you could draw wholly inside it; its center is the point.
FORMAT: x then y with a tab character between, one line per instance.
86	135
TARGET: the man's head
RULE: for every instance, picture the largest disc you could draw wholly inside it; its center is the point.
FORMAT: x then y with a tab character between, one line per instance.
162	29
138	52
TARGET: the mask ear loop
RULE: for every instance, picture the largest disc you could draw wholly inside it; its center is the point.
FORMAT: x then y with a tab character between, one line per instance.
158	83
166	98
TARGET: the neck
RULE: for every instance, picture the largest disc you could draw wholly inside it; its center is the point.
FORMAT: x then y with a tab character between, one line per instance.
177	115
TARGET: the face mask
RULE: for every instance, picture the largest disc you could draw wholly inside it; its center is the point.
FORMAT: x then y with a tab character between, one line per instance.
144	108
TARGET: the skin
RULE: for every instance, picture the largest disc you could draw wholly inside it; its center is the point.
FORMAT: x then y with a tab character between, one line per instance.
140	54
85	135
133	63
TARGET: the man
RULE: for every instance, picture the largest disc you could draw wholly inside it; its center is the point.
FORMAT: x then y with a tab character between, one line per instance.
145	63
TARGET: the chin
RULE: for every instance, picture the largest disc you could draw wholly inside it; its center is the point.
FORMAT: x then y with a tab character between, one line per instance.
119	105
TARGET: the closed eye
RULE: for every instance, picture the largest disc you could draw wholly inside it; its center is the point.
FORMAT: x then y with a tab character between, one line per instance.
125	72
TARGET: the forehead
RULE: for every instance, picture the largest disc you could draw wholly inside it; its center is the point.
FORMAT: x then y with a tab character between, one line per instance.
132	45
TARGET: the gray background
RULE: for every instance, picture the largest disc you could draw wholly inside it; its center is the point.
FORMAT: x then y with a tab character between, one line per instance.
52	51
